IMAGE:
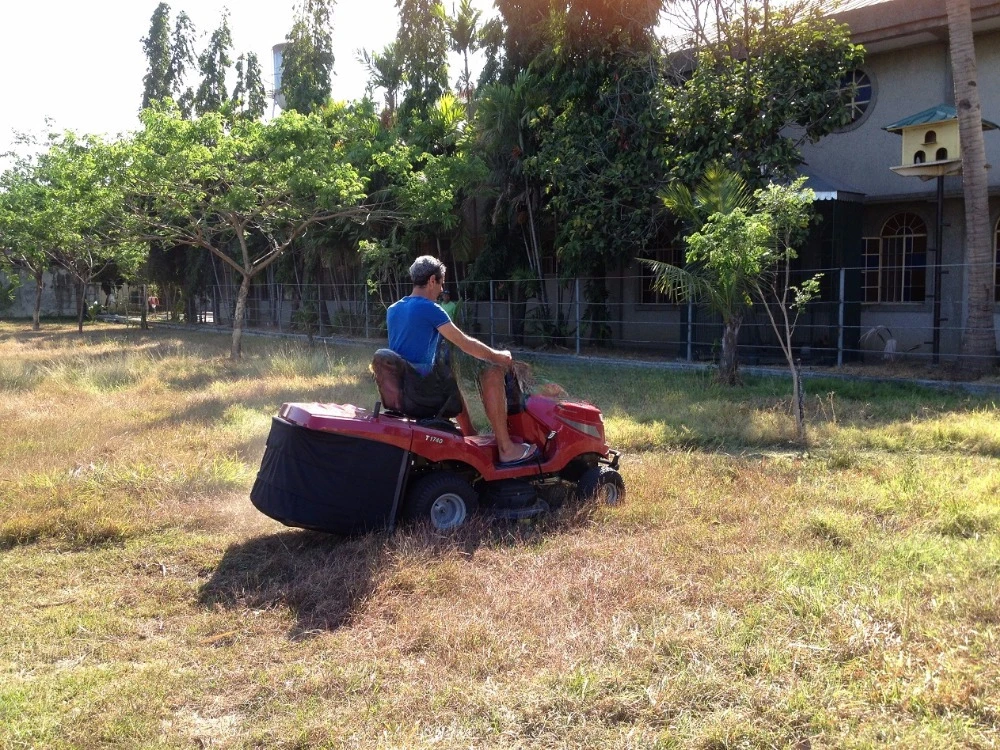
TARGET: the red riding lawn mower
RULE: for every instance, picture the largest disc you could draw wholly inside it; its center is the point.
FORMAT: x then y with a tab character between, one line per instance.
346	470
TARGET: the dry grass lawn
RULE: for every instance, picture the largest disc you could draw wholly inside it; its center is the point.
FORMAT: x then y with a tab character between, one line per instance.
746	595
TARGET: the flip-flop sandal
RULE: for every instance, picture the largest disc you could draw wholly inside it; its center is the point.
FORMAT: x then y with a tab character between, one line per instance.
530	452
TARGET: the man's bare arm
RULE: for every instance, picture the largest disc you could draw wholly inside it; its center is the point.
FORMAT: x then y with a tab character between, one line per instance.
475	347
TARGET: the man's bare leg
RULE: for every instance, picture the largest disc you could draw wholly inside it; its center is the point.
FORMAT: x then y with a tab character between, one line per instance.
464	419
495	402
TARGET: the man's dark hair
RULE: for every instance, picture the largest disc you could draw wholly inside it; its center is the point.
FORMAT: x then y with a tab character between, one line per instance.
424	268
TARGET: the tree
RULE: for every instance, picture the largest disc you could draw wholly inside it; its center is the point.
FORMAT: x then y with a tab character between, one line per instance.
182	58
213	64
506	143
249	97
434	170
742	249
726	255
789	212
28	227
307	61
422	44
385	71
156	83
245	191
979	347
463	33
765	79
93	232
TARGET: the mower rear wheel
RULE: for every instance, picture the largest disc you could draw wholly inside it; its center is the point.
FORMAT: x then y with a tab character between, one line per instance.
444	499
601	483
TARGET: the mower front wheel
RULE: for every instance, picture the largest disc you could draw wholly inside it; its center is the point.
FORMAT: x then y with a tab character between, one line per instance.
444	499
601	483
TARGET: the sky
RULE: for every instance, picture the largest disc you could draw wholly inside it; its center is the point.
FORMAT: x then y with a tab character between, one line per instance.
81	63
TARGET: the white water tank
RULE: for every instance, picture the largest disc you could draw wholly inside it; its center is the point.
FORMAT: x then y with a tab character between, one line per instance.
277	54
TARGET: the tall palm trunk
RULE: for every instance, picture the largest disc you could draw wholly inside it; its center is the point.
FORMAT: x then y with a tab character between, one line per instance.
978	337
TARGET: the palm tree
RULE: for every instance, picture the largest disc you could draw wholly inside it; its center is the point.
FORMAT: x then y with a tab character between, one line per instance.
978	338
724	281
463	28
385	71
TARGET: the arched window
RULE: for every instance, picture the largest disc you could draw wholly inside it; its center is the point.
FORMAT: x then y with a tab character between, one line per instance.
941	155
895	262
919	158
930	137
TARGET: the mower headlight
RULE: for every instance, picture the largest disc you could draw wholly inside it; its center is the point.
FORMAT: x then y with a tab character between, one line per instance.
586	429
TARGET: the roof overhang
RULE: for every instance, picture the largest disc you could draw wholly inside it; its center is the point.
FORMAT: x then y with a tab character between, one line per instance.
890	24
932	116
930	169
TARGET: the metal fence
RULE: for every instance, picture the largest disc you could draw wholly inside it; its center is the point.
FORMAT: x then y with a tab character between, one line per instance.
627	315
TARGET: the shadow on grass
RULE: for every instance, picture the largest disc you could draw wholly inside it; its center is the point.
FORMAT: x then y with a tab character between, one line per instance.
320	578
323	579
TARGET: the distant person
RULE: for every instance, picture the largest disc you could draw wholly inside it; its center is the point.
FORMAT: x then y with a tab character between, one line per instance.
416	324
154	302
449	305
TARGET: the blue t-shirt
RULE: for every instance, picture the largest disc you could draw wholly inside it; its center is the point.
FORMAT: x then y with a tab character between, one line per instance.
413	324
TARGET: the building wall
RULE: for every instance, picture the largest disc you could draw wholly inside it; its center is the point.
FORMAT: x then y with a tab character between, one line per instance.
906	81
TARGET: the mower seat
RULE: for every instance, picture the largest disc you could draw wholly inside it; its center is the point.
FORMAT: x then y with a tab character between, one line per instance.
405	391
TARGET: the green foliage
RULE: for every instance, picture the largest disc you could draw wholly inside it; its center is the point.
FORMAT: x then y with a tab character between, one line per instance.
245	190
768	81
307	61
249	97
182	58
156	46
29	218
9	284
385	71
213	63
73	209
422	45
464	37
739	252
600	151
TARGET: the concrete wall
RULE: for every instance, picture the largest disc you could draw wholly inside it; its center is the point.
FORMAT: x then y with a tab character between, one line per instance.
58	296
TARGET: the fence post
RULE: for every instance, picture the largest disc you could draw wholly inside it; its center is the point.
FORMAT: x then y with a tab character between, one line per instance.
492	324
840	320
690	331
319	309
364	291
577	316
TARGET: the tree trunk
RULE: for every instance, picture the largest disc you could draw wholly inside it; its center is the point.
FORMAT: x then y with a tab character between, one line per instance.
978	337
799	402
81	304
144	309
728	360
241	305
36	316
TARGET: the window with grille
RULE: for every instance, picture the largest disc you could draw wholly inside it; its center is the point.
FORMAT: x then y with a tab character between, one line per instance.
894	264
648	295
857	88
